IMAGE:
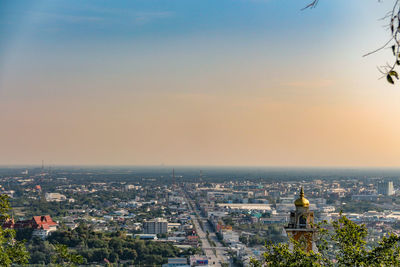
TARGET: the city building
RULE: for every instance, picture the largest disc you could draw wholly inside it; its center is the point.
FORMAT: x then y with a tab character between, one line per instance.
229	236
300	226
238	206
55	197
385	188
172	262
42	225
155	226
198	260
172	226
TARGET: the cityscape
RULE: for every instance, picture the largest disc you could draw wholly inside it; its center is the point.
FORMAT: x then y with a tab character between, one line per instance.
215	217
199	133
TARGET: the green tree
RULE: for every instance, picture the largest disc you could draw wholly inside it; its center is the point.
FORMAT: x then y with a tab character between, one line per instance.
11	250
100	254
63	257
282	255
38	257
129	254
343	243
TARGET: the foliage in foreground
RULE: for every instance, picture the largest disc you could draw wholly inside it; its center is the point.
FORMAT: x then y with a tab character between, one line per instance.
11	250
389	70
341	243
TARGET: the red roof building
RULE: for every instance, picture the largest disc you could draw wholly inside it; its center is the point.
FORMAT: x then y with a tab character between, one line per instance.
45	222
41	225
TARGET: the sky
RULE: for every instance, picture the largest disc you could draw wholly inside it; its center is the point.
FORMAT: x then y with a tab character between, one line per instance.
196	82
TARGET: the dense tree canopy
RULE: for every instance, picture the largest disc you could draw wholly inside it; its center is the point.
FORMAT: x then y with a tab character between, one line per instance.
88	246
341	243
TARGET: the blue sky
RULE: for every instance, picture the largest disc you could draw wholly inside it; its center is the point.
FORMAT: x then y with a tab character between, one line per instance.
129	19
215	82
78	33
67	22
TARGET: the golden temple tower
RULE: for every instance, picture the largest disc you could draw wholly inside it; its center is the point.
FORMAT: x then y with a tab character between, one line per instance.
300	226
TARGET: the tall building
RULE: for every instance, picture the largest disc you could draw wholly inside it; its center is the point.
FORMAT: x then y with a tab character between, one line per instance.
155	226
300	226
385	188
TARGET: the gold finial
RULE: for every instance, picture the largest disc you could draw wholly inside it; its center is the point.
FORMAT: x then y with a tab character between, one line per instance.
302	201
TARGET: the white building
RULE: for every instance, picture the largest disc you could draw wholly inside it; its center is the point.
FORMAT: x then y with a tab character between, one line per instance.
55	197
230	236
237	206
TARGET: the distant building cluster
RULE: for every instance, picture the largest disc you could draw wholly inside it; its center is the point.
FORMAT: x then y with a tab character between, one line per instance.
217	221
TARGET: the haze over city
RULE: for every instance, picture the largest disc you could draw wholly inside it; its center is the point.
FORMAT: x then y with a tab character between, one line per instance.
239	83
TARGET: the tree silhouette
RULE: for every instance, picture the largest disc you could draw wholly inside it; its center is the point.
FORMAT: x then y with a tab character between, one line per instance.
389	70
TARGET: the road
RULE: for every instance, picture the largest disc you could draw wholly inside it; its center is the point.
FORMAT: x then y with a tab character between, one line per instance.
213	260
220	252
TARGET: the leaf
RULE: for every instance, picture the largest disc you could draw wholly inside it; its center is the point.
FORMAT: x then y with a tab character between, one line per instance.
394	49
394	73
389	79
398	62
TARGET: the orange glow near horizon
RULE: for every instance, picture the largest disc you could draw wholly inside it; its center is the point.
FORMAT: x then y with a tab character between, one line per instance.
169	87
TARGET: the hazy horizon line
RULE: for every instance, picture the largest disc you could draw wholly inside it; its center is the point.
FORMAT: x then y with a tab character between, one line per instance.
197	166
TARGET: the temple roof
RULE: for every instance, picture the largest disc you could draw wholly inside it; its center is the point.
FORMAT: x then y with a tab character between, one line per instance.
302	201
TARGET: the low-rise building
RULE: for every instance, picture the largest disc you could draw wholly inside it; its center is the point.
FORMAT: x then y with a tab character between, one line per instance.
172	262
42	225
197	260
55	197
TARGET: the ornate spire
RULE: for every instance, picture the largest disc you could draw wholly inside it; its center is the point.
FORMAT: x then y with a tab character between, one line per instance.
302	201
